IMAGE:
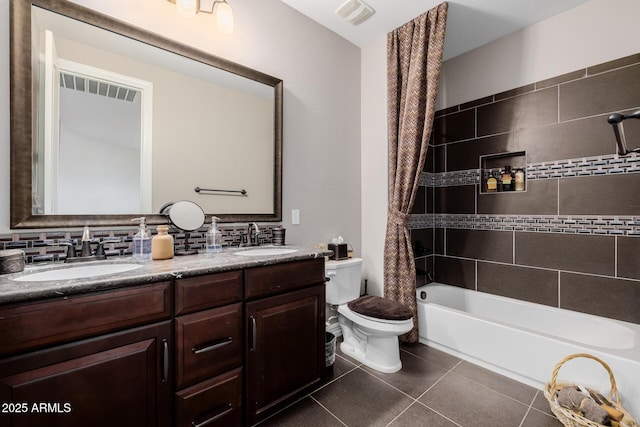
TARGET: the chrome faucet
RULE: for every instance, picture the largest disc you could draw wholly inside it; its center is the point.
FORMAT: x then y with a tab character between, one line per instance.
252	238
86	253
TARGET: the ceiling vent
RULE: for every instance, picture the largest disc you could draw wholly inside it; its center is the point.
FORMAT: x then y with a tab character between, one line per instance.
355	11
97	87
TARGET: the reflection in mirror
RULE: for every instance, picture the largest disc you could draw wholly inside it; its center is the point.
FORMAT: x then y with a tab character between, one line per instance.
118	126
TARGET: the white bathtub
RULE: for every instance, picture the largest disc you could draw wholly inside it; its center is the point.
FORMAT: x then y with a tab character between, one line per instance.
525	341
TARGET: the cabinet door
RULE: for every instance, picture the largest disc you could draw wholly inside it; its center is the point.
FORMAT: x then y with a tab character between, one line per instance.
121	379
284	350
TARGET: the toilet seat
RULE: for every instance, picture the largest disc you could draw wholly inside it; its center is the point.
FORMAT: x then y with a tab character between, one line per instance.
380	308
383	325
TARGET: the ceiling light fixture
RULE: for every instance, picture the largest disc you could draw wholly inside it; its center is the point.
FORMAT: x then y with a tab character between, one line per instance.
355	11
220	8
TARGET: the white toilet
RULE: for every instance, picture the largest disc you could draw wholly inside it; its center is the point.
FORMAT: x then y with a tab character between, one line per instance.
370	325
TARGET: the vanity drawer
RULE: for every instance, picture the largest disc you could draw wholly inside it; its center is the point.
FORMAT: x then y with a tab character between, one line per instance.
31	325
208	343
273	279
208	291
215	402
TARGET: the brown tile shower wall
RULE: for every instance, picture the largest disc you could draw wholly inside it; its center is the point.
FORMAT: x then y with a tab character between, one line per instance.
572	240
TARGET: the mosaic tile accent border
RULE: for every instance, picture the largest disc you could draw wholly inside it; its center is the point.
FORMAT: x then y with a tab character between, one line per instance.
45	246
599	225
587	166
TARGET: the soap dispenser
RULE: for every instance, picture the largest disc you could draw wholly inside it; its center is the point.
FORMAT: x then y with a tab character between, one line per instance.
214	238
142	240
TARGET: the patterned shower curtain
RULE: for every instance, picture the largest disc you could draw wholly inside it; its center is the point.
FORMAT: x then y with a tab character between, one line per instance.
414	59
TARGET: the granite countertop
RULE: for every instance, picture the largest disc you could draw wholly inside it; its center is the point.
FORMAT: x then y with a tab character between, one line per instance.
12	291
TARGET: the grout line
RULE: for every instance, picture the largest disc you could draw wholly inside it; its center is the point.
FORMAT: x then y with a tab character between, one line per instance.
558	200
559	293
604	276
529	408
326	409
615	257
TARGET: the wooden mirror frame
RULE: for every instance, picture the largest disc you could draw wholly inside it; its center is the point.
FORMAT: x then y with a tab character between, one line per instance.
22	112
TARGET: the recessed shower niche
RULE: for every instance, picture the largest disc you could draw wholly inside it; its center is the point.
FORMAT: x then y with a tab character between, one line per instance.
503	173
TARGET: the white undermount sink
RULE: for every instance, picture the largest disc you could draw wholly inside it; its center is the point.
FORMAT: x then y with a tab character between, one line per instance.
76	272
266	251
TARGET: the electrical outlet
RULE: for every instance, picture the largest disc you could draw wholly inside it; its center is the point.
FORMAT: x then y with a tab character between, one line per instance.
295	216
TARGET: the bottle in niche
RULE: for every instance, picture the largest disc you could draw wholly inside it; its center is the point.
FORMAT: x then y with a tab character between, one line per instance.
507	179
499	174
485	177
519	180
492	182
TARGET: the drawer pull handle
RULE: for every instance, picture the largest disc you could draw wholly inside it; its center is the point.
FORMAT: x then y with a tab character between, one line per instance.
212	347
214	418
253	333
165	361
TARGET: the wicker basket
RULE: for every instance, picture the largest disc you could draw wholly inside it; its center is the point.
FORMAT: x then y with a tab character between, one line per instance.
572	419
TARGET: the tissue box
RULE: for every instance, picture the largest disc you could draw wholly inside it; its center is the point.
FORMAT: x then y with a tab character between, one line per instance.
339	251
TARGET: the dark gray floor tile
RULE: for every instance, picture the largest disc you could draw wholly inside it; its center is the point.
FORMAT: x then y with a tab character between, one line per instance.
431	355
473	405
361	399
536	418
415	377
306	412
497	382
342	365
420	415
541	403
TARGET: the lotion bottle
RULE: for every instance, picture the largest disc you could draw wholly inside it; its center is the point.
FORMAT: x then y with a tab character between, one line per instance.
214	238
142	240
519	180
162	244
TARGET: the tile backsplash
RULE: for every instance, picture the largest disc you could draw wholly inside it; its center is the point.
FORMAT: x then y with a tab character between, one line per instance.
571	240
45	246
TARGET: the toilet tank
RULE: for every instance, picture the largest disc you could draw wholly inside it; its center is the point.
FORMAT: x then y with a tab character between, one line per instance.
344	280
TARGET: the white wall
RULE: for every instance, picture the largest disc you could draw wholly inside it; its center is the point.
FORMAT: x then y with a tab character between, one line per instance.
375	176
589	34
321	74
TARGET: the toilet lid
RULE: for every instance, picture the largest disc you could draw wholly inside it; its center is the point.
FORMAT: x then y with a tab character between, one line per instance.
380	308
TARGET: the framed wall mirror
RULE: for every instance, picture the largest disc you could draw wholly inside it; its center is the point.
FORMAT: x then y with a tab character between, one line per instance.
110	122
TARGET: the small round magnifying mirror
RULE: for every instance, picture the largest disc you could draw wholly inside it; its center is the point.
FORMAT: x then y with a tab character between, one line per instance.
186	216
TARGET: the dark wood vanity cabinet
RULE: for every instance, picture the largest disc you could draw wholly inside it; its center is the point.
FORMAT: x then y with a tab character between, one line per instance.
220	349
284	318
121	377
209	348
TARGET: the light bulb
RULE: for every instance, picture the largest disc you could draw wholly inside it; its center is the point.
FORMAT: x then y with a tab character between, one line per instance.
187	7
224	17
